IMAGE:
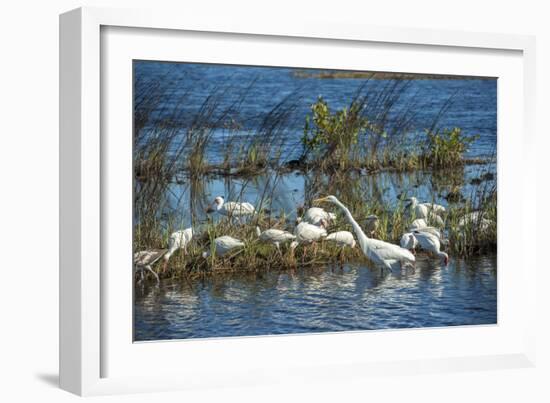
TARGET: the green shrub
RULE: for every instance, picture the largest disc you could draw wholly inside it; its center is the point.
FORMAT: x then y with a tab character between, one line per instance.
332	137
446	148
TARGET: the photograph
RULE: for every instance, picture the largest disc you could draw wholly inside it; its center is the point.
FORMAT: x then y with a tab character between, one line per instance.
278	200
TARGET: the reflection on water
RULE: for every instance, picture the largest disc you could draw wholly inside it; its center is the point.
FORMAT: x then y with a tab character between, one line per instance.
283	193
352	298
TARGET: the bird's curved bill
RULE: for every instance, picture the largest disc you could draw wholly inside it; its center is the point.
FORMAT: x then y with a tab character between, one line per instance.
322	199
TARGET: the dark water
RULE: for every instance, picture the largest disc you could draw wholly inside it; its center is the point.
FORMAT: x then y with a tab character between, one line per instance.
352	298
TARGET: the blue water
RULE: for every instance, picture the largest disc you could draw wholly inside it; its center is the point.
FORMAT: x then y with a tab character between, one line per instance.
352	298
187	86
325	299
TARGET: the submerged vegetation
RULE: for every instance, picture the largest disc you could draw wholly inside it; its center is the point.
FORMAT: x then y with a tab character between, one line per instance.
342	151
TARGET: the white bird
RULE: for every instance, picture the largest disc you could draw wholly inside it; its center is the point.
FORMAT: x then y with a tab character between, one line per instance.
145	259
431	230
314	215
417	224
408	241
178	240
342	238
307	233
275	236
428	211
231	209
430	243
475	219
222	245
379	252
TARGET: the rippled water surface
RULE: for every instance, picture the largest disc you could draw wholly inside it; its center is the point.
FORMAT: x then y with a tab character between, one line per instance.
326	300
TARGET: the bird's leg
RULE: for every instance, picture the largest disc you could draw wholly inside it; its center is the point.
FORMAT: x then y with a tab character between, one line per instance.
148	267
279	249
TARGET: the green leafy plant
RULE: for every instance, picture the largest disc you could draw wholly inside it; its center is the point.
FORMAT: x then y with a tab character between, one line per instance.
446	148
331	136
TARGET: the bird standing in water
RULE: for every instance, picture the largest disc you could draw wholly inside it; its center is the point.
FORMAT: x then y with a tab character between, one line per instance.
379	252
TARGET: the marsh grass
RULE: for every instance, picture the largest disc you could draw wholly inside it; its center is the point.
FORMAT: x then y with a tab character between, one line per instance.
339	151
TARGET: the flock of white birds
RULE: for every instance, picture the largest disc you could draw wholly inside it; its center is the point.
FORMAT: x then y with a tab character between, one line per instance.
312	228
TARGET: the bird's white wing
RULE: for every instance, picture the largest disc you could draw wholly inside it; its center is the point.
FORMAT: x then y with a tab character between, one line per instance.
309	232
436	208
235	208
343	237
427	241
408	241
228	242
430	230
146	257
276	235
418	223
389	251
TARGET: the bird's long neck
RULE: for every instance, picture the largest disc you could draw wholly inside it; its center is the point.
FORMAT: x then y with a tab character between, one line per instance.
171	251
219	205
361	236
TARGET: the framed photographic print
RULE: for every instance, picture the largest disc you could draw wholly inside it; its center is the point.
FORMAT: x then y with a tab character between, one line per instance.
242	202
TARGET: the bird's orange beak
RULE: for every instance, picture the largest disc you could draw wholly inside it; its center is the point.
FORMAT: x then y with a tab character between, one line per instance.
322	199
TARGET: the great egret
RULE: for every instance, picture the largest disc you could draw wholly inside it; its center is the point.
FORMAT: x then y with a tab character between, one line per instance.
314	215
231	209
275	236
430	243
178	240
379	252
222	245
145	259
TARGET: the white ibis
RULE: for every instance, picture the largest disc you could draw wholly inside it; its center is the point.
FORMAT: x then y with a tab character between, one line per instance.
231	209
408	241
475	219
307	233
178	240
314	215
343	239
275	236
145	259
417	224
430	243
379	252
428	211
222	245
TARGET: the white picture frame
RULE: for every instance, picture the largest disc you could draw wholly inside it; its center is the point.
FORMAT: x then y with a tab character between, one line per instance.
83	158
